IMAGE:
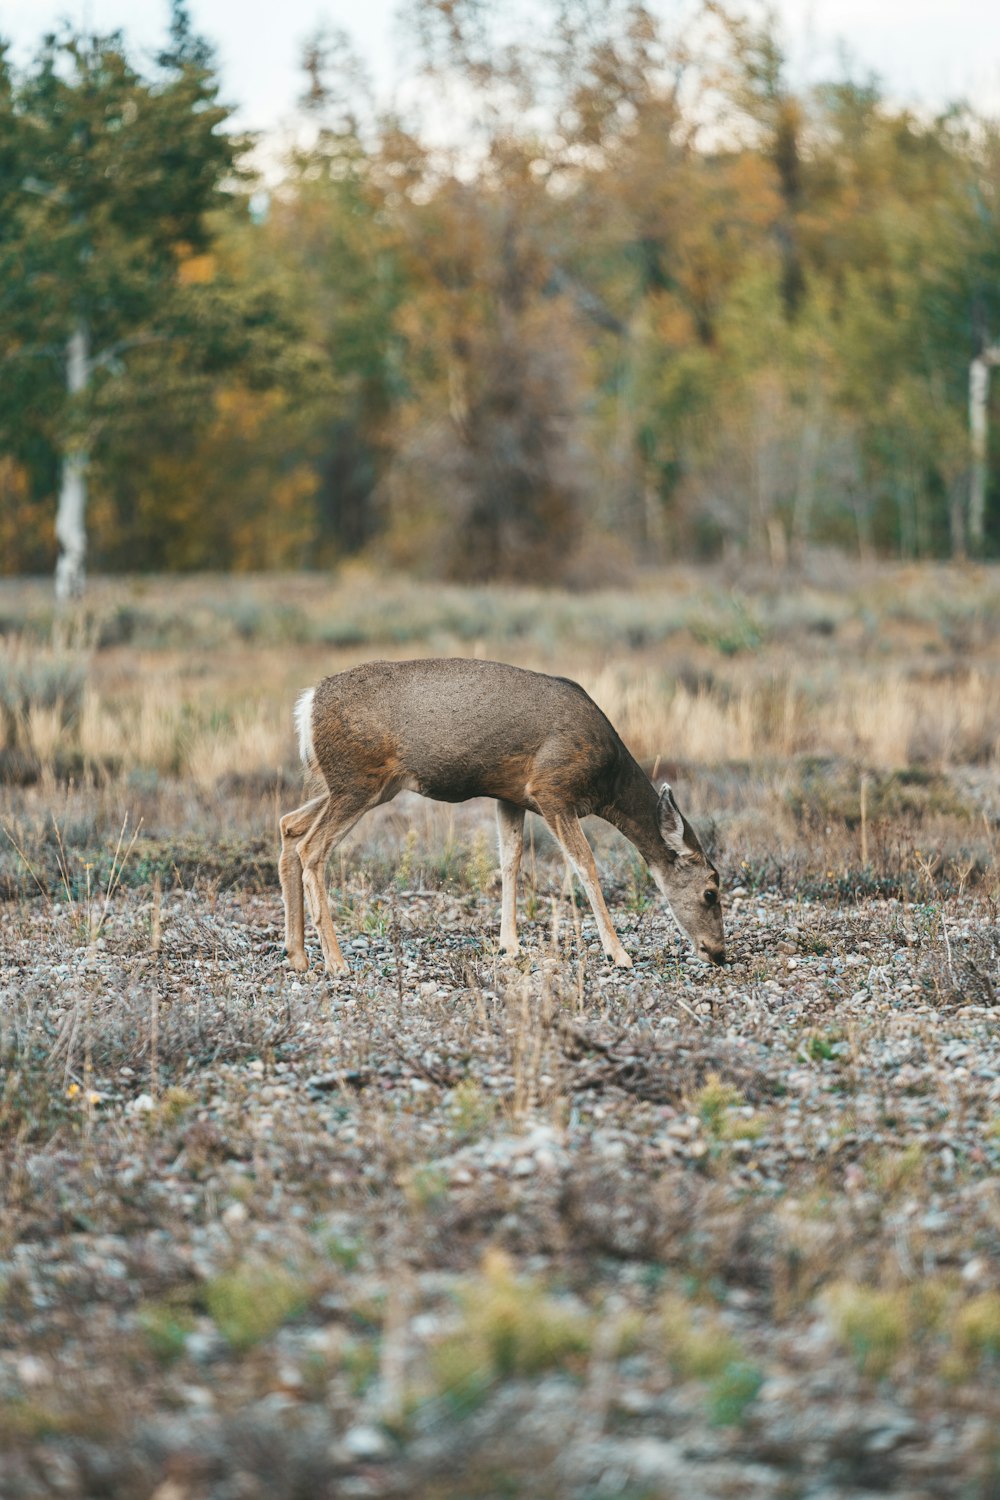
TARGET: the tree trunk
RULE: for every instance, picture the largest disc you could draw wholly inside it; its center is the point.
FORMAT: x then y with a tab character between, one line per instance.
979	394
71	532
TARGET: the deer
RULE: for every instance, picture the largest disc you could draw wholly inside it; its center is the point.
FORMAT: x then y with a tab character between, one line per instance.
452	729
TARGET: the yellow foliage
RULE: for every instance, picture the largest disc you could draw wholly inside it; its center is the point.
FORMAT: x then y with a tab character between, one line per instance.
196	270
27	526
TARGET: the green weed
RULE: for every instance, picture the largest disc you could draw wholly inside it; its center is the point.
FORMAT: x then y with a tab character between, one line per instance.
713	1102
731	1393
252	1302
698	1346
166	1328
511	1326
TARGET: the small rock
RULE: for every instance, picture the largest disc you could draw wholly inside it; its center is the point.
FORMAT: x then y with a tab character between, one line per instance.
364	1444
32	1371
203	1344
197	1395
635	1401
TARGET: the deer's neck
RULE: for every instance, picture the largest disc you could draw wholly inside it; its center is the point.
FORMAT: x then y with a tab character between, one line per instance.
634	813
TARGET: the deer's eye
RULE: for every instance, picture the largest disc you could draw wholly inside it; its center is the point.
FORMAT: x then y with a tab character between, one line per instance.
711	896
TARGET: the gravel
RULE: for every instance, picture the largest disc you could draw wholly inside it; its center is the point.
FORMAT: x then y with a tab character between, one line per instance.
386	1160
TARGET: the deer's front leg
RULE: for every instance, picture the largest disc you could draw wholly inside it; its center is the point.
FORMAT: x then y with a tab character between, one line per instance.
510	828
567	829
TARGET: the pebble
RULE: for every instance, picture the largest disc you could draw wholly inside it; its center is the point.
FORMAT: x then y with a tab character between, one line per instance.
32	1371
362	1444
203	1345
197	1396
588	1153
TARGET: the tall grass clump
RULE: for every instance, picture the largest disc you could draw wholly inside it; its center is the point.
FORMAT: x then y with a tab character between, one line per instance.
41	697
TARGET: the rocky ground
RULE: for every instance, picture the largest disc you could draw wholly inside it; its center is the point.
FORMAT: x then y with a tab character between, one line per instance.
463	1228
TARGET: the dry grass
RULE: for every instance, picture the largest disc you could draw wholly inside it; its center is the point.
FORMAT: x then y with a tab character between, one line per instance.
890	673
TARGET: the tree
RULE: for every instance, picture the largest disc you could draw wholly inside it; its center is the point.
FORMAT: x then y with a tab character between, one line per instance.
333	235
111	190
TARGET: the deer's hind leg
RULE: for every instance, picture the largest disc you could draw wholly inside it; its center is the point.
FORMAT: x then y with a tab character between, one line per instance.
567	829
510	827
334	821
293	826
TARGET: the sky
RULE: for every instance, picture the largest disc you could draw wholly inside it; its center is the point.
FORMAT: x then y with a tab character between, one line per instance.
928	52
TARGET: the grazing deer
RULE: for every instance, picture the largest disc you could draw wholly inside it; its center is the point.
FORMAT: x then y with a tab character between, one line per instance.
454	729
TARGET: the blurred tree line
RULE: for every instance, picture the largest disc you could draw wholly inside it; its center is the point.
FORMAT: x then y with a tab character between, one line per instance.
596	292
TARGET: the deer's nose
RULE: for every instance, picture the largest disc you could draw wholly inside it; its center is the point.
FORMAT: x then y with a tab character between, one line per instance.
714	955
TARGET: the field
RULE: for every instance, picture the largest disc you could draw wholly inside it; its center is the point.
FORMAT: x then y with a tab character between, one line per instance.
459	1227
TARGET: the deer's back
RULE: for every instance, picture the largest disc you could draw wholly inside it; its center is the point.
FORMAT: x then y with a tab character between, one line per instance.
454	729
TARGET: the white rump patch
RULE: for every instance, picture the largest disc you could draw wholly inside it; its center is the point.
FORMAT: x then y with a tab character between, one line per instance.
304	726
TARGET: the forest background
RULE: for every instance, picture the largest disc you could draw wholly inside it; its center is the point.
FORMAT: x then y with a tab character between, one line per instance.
650	301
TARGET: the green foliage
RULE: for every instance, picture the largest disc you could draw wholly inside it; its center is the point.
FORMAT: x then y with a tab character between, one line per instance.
744	1127
426	1186
697	1344
822	790
118	184
32	1104
472	1110
734	631
713	1102
604	344
480	870
251	1302
344	1252
175	1104
878	1327
975	1335
511	1326
406	869
361	1360
731	1393
166	1328
822	1049
638	895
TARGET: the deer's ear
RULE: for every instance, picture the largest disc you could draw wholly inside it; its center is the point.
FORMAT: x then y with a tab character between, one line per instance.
671	822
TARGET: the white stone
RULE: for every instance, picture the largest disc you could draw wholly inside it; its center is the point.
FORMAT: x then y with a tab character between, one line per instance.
366	1443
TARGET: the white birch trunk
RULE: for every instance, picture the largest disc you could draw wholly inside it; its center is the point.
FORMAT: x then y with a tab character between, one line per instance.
979	395
71	532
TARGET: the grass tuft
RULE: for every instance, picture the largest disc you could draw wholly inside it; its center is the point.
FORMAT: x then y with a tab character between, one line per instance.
253	1301
511	1326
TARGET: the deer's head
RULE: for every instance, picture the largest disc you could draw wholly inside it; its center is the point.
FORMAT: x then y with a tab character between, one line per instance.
689	881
